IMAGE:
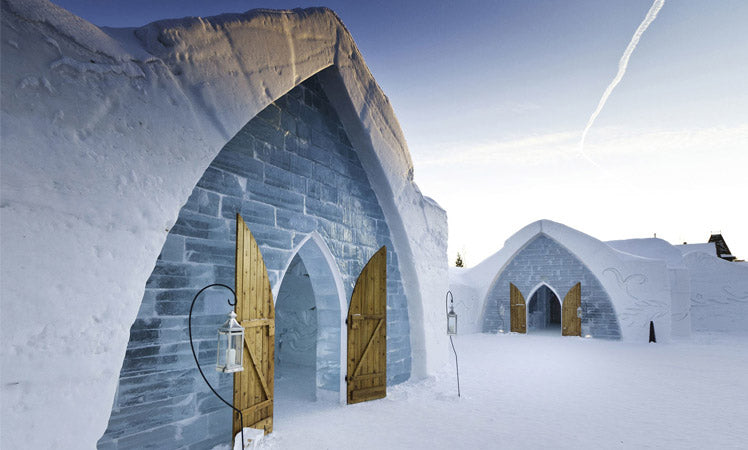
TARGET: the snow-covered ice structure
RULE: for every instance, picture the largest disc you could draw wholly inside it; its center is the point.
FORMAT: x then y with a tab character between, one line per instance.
124	154
624	285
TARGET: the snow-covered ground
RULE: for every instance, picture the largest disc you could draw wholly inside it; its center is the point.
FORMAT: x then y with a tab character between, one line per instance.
542	391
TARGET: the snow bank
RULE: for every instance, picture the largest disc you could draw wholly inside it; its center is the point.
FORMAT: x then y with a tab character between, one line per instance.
104	135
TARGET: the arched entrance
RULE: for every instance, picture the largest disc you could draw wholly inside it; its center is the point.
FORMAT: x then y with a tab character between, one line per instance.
296	329
544	311
292	192
309	328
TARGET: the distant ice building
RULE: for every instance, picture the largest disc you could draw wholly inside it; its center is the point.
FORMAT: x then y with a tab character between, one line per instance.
554	279
126	155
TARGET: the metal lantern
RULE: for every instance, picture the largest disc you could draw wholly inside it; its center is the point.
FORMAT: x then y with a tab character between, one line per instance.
451	319
230	346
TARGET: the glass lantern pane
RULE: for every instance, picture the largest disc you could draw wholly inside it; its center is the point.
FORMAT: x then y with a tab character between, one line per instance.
237	345
221	352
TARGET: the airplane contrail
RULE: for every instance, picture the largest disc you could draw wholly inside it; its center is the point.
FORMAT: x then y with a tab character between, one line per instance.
622	64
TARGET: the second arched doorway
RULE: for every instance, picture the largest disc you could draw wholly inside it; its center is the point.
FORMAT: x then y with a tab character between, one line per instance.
310	332
544	311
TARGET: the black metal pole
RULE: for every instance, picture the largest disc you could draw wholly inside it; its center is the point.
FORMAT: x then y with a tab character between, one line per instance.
457	365
194	355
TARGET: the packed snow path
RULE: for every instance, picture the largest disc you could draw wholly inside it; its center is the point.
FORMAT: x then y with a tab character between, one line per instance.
541	391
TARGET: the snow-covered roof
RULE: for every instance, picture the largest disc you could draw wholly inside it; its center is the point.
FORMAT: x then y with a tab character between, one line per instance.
652	248
104	135
708	248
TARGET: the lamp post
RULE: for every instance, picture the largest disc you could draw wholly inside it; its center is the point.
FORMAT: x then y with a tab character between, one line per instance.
452	330
230	354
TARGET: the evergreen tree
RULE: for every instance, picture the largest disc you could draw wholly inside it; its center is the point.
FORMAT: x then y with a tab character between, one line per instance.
459	263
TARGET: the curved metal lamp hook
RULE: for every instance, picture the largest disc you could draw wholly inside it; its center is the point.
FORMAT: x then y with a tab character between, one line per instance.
194	354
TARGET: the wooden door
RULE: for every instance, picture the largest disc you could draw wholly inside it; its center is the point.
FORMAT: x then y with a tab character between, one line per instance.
517	312
571	324
253	387
367	332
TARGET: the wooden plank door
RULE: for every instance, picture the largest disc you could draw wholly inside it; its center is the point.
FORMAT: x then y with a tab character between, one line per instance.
253	387
367	332
517	311
571	324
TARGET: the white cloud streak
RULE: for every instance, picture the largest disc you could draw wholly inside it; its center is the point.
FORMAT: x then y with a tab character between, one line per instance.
622	65
553	148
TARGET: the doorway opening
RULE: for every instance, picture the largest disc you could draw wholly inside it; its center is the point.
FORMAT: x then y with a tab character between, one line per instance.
296	329
309	330
544	312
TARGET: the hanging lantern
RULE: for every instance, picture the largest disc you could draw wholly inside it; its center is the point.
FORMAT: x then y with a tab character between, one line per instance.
230	346
451	320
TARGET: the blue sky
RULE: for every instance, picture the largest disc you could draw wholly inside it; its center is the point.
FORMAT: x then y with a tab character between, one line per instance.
493	97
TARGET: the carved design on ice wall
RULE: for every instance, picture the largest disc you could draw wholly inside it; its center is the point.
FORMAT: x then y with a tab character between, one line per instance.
730	293
635	285
735	297
679	317
625	282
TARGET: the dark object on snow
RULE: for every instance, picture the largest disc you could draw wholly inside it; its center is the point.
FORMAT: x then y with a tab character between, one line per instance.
652	337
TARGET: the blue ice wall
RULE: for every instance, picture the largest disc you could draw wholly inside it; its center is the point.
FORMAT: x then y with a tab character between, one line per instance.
545	260
290	171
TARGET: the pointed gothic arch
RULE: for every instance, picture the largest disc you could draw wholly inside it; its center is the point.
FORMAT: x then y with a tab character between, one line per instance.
551	288
331	307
